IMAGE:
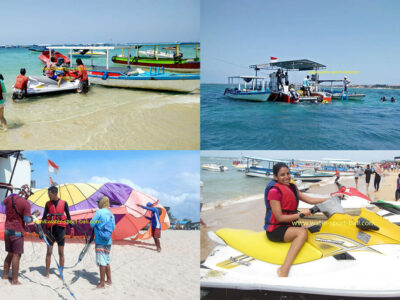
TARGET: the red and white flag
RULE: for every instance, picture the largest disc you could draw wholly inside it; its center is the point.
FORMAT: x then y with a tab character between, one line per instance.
53	168
273	59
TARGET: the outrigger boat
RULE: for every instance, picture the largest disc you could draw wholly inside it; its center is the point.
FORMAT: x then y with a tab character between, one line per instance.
339	258
127	77
173	60
288	93
341	95
252	88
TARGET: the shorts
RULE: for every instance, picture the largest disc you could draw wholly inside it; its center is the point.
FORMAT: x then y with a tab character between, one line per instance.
156	233
83	86
14	244
367	179
103	255
278	234
53	77
56	234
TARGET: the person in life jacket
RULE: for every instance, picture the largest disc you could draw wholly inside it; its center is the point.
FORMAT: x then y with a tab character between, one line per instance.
282	200
55	218
155	223
83	86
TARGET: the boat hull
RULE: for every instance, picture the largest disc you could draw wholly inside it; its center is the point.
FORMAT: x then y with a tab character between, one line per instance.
247	96
356	97
164	82
44	57
184	66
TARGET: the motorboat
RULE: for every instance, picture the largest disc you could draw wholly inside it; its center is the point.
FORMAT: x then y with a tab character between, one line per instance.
86	53
214	167
339	258
309	175
60	58
249	88
41	85
348	96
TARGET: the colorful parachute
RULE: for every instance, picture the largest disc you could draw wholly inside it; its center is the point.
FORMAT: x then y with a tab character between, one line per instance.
82	201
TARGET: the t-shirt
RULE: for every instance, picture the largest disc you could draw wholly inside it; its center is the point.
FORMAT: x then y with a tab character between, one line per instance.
13	221
100	218
82	73
274	194
367	173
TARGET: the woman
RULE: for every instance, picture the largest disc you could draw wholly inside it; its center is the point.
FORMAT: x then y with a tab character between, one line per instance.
2	103
282	200
103	223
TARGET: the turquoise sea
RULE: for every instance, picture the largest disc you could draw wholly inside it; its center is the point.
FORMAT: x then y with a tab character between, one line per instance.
239	125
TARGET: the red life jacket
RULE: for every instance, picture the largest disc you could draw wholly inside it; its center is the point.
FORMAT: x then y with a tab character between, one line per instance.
289	204
20	82
56	215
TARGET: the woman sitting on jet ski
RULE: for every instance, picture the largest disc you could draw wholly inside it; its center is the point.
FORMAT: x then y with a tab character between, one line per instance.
282	200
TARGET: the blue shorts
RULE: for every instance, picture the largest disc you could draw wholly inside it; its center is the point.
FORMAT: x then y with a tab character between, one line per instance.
54	77
103	255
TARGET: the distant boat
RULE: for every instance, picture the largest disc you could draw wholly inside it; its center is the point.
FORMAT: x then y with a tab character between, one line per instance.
353	96
86	53
38	48
214	167
249	88
45	56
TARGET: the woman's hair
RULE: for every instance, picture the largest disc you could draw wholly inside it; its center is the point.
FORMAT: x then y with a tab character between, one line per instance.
277	167
79	61
104	202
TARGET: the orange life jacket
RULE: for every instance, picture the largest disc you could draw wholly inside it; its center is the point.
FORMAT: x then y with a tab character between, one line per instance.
56	215
20	82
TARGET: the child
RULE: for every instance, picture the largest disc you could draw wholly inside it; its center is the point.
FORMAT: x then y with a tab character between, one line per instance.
155	224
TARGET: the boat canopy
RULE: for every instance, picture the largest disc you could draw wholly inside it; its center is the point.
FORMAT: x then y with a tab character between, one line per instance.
291	65
266	159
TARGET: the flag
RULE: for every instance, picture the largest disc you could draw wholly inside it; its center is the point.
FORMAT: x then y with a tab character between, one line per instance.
53	168
273	59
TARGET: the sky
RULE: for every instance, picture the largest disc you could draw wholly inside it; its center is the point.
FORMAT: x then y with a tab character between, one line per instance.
99	21
354	155
171	176
344	35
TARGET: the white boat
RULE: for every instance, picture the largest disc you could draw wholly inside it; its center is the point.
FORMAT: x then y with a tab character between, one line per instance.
126	77
337	259
152	53
85	53
214	167
351	96
250	88
41	85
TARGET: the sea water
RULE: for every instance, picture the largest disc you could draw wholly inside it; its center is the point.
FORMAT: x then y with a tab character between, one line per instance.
234	124
105	118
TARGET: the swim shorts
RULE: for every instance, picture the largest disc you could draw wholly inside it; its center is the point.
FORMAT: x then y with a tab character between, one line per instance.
14	243
156	233
103	255
83	86
277	234
56	234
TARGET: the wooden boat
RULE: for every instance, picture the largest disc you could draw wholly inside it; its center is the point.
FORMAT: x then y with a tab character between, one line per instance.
251	89
171	61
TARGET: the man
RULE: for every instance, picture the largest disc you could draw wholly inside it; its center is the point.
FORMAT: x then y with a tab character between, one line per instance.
21	83
51	67
55	216
345	84
368	172
18	212
306	86
155	223
83	77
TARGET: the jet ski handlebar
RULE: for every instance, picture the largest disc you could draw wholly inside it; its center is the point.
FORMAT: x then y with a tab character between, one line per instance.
329	207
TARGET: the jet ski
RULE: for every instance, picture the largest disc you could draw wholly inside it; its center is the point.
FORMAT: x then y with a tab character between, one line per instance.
356	256
41	85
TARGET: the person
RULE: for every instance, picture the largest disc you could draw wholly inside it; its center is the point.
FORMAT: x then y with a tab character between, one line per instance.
55	216
337	173
279	78
21	83
103	223
383	99
368	172
345	85
392	99
201	203
83	77
155	223
378	173
18	212
357	174
286	79
306	86
2	103
397	194
51	67
281	199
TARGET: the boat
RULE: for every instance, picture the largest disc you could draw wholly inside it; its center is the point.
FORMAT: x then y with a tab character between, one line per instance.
60	58
288	93
172	61
86	53
341	95
126	77
214	167
38	48
309	175
250	88
338	258
41	85
261	167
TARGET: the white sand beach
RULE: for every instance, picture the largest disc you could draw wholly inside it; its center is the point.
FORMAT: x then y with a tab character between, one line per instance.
138	271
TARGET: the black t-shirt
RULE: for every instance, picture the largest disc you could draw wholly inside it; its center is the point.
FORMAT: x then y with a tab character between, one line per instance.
368	173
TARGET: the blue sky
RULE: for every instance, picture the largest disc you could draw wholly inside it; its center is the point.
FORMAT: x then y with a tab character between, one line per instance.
351	35
357	156
98	21
171	176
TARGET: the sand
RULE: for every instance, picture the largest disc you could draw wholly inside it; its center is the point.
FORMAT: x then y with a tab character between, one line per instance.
137	271
251	214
